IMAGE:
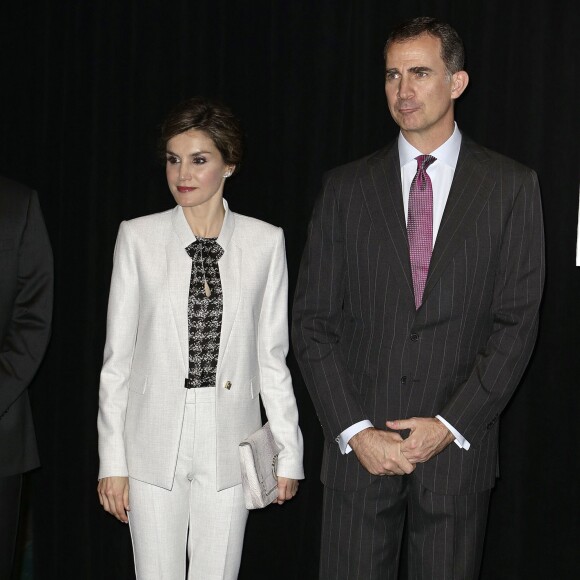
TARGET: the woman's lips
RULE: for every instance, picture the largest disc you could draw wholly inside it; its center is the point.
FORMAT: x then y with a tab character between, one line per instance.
183	189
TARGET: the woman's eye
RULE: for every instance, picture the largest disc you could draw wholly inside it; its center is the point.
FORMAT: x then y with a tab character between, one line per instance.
199	160
172	160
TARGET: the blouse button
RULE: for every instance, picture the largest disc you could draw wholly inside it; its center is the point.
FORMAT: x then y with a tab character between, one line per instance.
228	385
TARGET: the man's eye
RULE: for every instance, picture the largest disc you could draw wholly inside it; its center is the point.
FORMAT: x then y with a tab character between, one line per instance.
391	76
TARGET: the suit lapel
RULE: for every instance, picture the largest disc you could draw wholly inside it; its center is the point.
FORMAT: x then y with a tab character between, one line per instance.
381	187
470	190
230	266
178	263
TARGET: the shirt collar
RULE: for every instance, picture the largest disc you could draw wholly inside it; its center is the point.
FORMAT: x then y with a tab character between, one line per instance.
446	153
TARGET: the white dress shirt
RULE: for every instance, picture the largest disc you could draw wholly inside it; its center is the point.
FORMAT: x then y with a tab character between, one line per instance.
441	173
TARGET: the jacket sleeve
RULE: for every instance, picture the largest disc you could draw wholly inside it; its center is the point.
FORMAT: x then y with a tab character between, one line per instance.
474	408
276	383
318	319
122	322
28	333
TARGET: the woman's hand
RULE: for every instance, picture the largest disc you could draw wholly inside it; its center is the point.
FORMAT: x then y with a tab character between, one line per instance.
114	496
287	489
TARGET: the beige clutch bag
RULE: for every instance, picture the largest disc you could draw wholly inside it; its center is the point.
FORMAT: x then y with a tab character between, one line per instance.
258	460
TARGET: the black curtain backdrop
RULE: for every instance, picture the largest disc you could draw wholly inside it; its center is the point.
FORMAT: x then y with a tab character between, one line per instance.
84	86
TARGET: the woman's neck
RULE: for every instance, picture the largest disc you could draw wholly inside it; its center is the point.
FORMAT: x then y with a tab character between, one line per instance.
205	221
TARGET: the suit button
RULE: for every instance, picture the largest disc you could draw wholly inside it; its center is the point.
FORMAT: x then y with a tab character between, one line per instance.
492	422
403	380
414	337
228	385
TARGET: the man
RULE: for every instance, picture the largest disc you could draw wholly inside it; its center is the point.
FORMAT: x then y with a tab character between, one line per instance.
417	306
26	281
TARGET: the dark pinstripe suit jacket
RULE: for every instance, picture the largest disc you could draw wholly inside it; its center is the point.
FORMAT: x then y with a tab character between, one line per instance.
366	353
25	318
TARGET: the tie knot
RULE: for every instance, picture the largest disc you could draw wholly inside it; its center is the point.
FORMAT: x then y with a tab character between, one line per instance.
423	161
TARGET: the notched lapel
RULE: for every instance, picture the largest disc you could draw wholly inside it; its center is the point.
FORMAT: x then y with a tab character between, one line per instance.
471	187
382	190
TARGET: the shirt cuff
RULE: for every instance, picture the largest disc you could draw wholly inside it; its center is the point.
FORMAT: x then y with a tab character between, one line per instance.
460	440
349	433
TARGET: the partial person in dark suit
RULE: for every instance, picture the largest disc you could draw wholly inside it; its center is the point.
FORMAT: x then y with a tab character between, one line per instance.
26	285
415	315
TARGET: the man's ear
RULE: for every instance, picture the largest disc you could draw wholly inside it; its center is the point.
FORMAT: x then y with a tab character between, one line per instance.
459	82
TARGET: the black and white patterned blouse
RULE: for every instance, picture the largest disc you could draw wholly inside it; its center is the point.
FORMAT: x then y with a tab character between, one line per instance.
204	312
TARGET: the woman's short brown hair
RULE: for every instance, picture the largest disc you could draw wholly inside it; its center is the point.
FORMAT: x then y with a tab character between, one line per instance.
214	119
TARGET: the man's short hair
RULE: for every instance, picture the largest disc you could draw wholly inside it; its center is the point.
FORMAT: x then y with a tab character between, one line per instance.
452	50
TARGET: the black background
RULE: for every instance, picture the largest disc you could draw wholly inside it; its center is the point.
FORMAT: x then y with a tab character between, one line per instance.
84	87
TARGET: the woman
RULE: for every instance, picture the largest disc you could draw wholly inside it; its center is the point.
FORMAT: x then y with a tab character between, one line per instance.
196	331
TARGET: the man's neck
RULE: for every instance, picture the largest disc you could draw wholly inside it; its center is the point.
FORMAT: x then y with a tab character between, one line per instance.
427	141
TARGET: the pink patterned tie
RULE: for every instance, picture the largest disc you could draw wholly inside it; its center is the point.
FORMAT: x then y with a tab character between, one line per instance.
420	225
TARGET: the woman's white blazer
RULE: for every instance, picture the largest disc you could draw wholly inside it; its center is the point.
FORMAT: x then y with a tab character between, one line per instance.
146	358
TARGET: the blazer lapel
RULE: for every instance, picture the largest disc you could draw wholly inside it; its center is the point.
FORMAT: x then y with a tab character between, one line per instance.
230	266
178	263
470	190
382	190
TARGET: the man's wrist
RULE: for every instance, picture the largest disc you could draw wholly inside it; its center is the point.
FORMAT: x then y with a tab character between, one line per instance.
355	439
345	437
460	441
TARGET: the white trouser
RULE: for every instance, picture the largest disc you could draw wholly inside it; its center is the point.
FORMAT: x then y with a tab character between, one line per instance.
160	519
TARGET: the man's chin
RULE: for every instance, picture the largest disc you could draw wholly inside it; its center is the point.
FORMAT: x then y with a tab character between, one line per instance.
409	121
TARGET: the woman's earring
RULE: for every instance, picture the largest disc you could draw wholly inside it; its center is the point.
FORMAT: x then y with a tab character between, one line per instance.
227	174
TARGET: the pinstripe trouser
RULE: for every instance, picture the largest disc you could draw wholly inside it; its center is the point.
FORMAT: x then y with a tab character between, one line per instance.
362	532
210	524
10	492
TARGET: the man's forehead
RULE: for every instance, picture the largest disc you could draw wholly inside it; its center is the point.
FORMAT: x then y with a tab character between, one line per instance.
417	51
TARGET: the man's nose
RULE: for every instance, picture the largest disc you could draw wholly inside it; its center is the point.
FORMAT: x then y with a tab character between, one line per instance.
405	88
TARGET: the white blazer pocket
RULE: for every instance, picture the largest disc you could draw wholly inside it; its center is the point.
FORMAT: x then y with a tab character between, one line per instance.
138	384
